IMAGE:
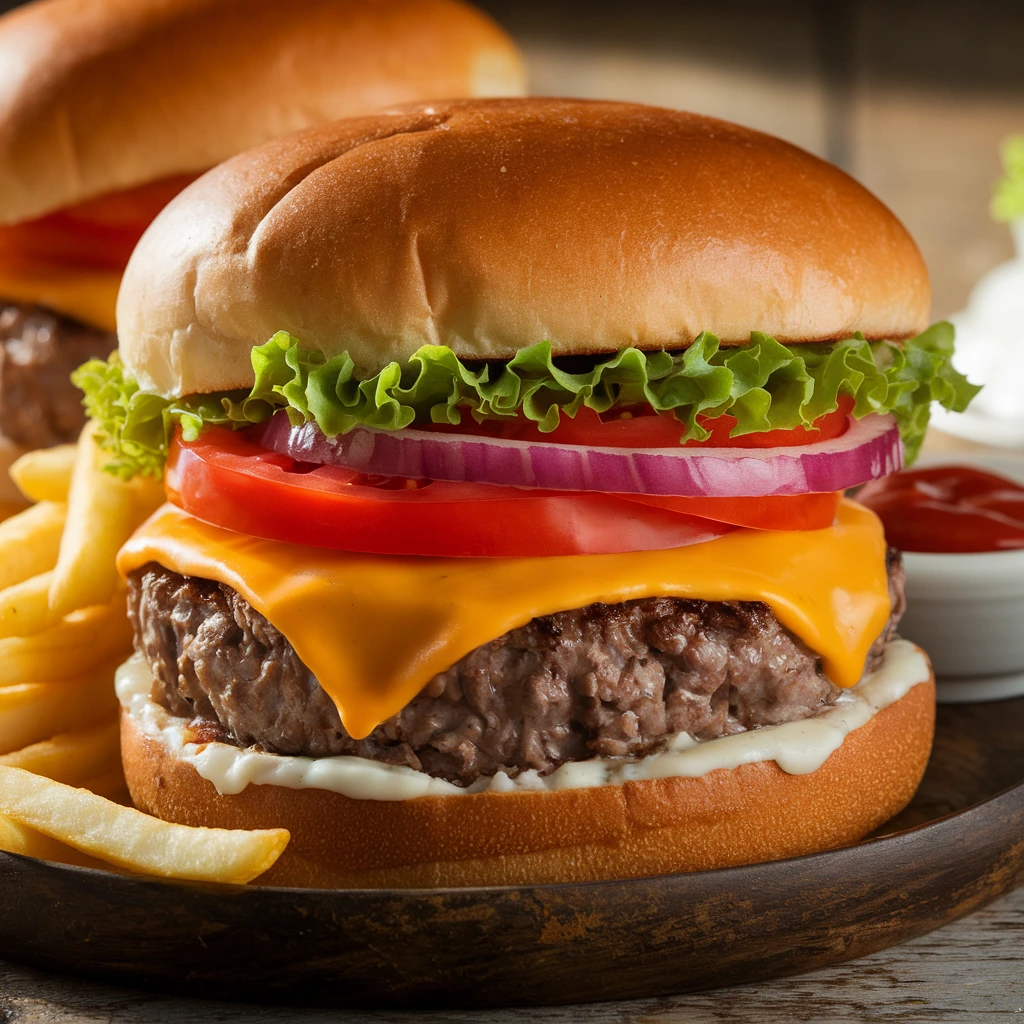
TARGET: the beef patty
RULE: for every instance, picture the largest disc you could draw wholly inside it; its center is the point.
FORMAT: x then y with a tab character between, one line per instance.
39	406
605	680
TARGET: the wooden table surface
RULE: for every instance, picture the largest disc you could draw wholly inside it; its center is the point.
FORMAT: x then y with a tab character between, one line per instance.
972	970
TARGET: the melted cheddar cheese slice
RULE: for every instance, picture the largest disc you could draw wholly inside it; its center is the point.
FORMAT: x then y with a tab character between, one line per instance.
375	629
87	295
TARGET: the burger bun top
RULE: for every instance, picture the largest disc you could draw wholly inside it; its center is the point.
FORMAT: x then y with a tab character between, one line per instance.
488	226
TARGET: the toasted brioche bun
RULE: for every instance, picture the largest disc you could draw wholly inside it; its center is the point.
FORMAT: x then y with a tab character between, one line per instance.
490	225
101	95
752	813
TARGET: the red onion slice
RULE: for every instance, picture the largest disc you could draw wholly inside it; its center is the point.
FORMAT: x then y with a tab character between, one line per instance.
870	448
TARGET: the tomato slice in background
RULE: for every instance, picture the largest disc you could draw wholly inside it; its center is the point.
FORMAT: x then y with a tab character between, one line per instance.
99	233
649	429
226	479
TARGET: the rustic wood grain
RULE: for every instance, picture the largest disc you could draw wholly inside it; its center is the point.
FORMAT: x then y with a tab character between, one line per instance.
972	970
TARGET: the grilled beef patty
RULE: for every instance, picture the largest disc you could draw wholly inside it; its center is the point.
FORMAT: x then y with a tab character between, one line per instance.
39	406
605	680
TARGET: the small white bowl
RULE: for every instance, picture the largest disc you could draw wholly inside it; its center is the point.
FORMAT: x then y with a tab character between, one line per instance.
967	610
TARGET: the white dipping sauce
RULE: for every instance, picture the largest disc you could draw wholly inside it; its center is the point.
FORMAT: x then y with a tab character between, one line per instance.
796	747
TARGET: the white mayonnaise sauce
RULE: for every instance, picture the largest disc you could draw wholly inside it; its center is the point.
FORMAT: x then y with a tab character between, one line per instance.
796	747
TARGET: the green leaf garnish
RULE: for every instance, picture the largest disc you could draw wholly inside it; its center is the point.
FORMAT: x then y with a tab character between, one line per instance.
1008	200
765	385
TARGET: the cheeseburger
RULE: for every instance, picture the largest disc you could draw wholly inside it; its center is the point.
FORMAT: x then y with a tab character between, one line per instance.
108	108
505	446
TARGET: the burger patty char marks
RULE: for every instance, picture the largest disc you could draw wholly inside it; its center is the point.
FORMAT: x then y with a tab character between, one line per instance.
605	680
39	406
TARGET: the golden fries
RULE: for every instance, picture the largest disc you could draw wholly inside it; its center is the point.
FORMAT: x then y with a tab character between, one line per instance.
103	512
17	838
132	840
45	474
31	712
100	512
80	643
63	630
74	758
25	607
30	541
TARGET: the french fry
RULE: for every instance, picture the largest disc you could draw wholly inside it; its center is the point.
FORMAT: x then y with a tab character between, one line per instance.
30	712
80	643
74	758
103	512
129	839
45	474
17	838
25	607
100	513
30	541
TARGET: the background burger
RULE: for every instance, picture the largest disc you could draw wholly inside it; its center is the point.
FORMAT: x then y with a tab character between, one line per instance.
108	108
518	552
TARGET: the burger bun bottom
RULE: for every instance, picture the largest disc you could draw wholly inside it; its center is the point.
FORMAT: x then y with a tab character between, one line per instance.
752	813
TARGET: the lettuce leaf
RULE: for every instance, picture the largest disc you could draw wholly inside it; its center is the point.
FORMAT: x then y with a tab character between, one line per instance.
1008	200
764	384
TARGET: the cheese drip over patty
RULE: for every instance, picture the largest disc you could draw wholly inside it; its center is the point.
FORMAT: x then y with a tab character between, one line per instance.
375	629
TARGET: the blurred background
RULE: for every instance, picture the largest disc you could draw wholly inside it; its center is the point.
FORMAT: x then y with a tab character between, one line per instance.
910	96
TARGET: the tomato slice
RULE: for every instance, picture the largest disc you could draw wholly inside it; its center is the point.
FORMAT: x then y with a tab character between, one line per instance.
644	428
97	234
770	512
226	479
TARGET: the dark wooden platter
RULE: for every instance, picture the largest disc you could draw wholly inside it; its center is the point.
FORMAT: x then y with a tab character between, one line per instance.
959	845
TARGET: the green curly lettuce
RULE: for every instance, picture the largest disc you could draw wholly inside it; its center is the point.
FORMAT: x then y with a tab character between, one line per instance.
1008	199
765	385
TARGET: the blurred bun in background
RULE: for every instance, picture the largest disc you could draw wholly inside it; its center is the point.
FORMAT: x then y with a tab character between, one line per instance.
101	95
108	108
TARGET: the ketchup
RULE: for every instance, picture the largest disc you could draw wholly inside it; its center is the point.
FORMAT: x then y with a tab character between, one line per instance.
948	509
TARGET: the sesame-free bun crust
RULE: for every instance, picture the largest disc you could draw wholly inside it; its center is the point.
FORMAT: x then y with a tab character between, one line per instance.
752	813
102	95
488	226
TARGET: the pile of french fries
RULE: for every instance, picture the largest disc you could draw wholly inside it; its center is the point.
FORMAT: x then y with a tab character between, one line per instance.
63	632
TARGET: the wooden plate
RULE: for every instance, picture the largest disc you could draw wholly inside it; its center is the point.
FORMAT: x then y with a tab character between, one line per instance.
959	845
